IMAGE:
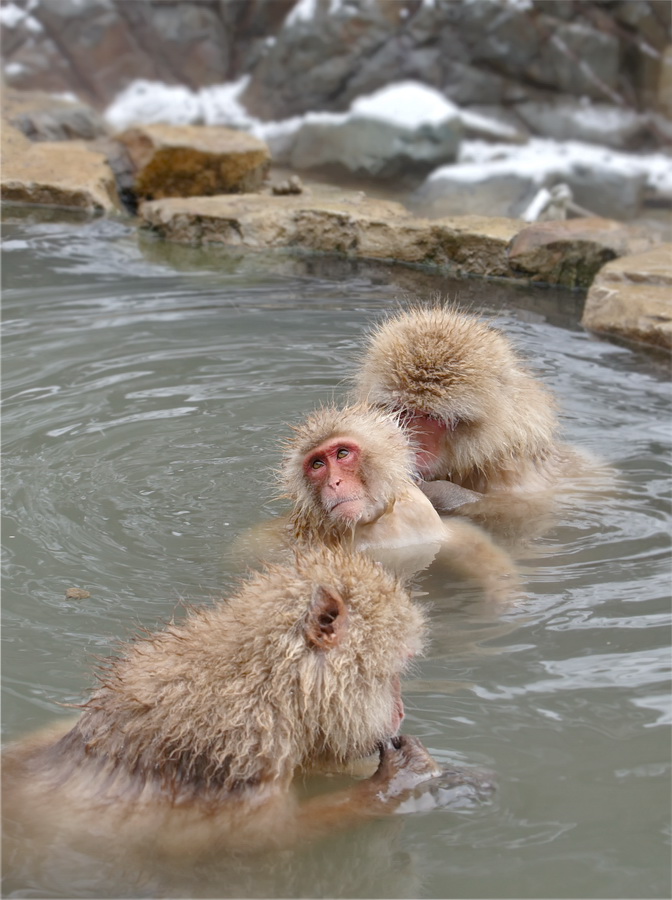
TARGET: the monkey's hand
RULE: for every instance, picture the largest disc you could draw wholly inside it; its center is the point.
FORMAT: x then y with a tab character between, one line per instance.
446	496
455	788
413	782
404	764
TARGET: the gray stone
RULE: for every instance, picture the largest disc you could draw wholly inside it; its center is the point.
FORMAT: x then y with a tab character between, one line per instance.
606	189
311	62
467	85
374	140
475	190
568	252
505	37
594	123
602	181
577	59
42	117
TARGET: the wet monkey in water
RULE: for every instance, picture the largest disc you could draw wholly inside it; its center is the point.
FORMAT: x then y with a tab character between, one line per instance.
350	475
189	744
485	429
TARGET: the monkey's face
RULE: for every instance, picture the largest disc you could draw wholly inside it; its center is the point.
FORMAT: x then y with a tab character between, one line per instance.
429	435
450	378
334	474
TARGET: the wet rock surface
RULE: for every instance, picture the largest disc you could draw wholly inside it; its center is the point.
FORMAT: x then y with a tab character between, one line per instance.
349	223
569	252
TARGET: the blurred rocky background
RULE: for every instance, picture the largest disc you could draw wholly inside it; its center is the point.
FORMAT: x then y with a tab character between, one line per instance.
525	73
532	110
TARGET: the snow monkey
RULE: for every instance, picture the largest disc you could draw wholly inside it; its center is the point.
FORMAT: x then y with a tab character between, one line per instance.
189	743
350	475
482	424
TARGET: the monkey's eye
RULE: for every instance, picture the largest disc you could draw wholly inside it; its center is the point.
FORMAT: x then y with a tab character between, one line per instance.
316	464
342	452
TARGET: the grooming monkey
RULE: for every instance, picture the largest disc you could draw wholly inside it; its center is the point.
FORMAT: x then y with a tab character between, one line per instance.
485	429
350	475
189	744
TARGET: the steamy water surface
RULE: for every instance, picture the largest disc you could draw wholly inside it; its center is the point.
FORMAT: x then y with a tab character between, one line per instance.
145	388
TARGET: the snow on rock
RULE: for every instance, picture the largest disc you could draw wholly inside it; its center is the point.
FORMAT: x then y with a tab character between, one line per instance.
12	15
150	103
501	179
408	104
409	127
574	119
403	127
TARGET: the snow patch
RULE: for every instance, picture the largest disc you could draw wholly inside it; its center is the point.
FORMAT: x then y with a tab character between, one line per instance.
150	102
12	15
303	11
543	155
407	104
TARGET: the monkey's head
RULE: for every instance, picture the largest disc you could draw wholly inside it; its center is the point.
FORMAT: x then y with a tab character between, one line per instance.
345	466
459	387
302	663
325	640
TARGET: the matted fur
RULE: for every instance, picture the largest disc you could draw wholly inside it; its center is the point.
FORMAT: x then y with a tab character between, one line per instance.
453	366
387	461
236	697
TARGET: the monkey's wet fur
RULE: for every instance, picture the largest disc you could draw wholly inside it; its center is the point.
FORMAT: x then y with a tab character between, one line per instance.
350	474
501	423
191	740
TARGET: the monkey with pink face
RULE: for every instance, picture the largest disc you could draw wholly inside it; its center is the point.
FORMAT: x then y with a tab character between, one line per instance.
349	473
485	430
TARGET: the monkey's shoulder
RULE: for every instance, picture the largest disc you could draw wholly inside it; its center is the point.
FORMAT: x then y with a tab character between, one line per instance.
409	521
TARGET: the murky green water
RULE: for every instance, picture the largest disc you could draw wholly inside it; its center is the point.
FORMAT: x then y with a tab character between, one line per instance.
145	388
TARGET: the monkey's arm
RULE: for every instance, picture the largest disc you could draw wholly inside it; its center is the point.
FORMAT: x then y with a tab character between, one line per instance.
446	496
472	553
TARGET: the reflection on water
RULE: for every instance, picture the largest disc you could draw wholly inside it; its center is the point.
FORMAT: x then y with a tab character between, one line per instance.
145	390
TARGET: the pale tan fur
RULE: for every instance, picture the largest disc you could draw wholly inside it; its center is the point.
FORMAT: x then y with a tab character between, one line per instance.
195	732
403	530
380	438
455	367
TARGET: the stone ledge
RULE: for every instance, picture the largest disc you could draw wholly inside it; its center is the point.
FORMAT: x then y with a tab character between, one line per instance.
631	298
350	224
63	173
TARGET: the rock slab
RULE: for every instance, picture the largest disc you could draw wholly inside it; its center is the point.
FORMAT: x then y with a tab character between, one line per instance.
56	173
631	298
193	161
349	224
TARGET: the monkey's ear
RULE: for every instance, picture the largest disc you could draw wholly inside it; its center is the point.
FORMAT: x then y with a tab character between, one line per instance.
327	619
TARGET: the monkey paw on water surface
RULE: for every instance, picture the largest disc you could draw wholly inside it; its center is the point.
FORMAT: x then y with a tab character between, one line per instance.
407	773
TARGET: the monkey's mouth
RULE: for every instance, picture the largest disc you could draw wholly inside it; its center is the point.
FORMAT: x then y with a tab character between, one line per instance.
347	507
